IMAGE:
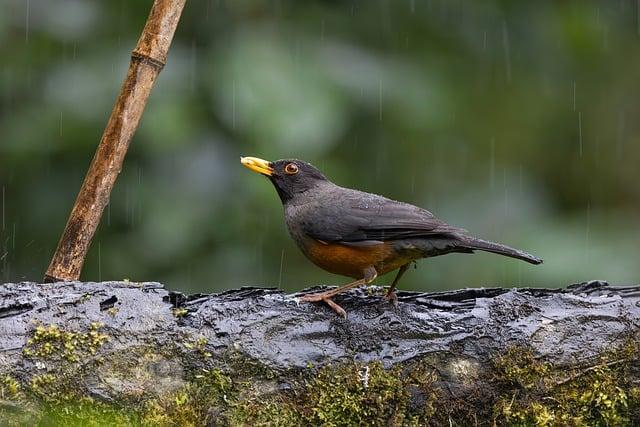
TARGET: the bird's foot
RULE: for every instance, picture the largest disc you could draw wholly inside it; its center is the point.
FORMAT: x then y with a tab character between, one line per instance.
326	298
313	297
341	312
392	297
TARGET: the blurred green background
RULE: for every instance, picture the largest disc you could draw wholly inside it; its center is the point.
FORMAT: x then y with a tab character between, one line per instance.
515	120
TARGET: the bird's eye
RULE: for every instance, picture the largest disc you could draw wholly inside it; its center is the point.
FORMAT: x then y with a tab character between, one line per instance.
291	169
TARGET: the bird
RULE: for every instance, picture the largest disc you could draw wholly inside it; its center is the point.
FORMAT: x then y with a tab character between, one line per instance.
358	234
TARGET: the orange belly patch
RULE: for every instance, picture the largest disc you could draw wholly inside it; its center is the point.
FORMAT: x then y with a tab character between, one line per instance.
353	260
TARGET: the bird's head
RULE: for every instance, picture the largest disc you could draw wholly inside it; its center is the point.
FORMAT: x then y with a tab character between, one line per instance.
289	176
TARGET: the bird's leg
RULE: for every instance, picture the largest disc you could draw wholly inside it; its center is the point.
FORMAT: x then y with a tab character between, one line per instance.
391	293
321	296
370	275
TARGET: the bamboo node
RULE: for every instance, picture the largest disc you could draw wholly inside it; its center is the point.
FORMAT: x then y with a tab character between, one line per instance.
146	59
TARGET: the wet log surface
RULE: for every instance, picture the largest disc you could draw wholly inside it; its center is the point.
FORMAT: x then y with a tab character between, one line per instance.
463	329
272	328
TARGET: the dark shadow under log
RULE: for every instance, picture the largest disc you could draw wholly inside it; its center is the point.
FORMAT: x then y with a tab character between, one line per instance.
484	355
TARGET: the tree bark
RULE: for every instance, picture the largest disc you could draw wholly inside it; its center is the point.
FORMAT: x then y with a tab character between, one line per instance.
463	335
147	60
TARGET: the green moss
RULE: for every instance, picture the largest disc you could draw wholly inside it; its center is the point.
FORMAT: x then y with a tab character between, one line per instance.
51	342
597	395
199	345
234	361
521	368
276	410
516	389
193	405
9	388
348	396
180	312
54	398
13	402
352	394
59	402
87	412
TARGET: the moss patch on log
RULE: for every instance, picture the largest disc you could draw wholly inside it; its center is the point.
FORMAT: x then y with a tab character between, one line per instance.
50	342
189	384
604	393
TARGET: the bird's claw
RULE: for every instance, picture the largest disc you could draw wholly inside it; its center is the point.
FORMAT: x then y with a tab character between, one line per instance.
341	312
392	298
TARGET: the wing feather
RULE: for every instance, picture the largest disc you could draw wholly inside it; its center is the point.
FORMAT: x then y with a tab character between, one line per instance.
351	216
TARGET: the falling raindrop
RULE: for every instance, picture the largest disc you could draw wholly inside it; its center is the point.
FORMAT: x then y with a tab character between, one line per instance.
139	199
99	263
574	95
492	165
507	53
380	100
233	104
26	24
638	17
506	192
588	232
281	268
193	65
413	182
580	131
620	133
3	208
127	205
520	173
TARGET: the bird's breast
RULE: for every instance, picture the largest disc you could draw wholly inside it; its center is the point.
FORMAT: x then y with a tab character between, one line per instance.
352	261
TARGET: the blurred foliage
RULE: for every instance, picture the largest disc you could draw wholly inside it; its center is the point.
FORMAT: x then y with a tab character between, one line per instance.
515	120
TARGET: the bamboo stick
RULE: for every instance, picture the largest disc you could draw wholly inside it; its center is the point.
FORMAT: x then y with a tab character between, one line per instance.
147	60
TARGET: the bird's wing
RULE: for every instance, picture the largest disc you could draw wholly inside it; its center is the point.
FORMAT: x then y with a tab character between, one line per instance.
351	216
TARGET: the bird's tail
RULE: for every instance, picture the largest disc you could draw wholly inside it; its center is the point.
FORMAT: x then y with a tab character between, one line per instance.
496	248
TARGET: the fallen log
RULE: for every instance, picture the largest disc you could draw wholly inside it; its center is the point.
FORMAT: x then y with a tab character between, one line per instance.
136	353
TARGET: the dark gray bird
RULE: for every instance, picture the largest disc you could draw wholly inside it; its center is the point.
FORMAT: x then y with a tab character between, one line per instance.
358	234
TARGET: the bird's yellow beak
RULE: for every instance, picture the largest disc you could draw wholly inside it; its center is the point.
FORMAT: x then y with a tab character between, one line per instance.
257	165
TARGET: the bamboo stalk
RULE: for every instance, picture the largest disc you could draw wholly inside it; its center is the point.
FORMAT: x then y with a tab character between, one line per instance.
147	60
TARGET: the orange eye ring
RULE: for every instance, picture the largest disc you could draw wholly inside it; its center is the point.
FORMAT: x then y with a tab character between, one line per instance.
291	169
